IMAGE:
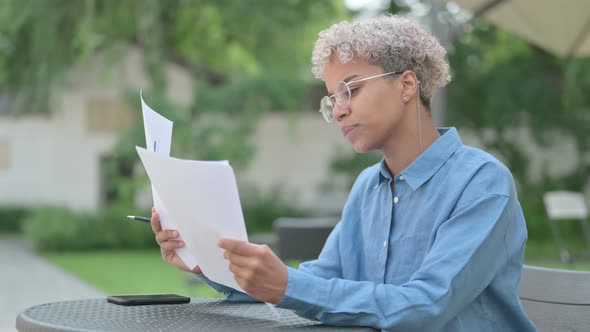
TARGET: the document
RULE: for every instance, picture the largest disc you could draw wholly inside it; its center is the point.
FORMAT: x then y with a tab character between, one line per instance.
202	198
158	139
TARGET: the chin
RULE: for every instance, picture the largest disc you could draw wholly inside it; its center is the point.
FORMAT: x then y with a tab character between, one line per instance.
365	143
361	148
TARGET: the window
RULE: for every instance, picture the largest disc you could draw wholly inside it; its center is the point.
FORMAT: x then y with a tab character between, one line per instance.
107	116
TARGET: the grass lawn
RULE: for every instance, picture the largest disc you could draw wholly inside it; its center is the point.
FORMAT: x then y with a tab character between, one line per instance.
546	254
128	272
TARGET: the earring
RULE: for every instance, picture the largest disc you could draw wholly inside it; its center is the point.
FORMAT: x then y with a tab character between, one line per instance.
405	99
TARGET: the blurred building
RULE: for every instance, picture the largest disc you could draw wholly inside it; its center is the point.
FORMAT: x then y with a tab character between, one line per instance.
56	159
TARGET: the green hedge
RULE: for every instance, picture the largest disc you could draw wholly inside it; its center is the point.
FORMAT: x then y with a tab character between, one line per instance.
53	228
261	209
62	229
11	218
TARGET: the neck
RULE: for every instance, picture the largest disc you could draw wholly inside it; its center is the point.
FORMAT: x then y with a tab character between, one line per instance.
405	144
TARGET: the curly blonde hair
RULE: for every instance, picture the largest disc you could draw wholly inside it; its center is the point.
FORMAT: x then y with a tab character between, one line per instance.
392	42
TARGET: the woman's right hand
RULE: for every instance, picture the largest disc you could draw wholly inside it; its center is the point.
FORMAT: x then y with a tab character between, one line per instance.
168	244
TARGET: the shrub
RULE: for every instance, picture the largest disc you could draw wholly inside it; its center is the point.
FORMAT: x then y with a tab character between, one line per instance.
119	232
11	218
57	228
261	209
62	229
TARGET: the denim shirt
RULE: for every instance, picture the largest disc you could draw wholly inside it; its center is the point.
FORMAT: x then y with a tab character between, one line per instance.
442	252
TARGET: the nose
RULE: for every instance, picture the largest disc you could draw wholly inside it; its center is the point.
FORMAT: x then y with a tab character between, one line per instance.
340	113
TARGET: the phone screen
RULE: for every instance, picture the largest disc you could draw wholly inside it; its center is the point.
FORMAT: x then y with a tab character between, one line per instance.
144	299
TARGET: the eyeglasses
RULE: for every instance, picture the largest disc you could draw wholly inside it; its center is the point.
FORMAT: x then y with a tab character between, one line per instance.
342	96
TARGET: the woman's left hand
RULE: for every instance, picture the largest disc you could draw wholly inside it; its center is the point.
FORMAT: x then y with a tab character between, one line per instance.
257	270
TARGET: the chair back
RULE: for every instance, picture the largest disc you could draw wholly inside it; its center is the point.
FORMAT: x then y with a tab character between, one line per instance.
555	299
565	205
302	238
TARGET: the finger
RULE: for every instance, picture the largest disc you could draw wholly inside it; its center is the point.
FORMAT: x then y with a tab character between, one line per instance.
235	259
243	277
155	222
242	248
171	245
164	236
240	273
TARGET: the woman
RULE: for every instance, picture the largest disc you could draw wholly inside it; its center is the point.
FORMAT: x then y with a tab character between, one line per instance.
431	238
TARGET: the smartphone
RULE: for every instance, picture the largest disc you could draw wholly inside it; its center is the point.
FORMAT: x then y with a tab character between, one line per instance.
145	299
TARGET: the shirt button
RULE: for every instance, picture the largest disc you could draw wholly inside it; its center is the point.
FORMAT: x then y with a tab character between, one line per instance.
395	200
385	244
401	177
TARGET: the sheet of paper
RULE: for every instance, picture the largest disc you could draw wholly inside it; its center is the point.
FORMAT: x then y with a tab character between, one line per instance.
202	246
202	198
158	139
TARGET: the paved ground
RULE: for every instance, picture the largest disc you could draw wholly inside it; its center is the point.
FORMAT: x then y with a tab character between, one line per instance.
27	280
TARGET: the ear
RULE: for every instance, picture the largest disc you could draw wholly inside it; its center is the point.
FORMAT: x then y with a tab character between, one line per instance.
410	84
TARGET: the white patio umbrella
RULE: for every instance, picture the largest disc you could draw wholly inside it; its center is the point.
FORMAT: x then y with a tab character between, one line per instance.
558	26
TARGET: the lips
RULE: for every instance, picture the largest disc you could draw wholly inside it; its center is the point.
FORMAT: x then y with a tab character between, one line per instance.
347	129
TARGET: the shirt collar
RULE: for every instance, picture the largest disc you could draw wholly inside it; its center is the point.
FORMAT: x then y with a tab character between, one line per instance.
430	161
